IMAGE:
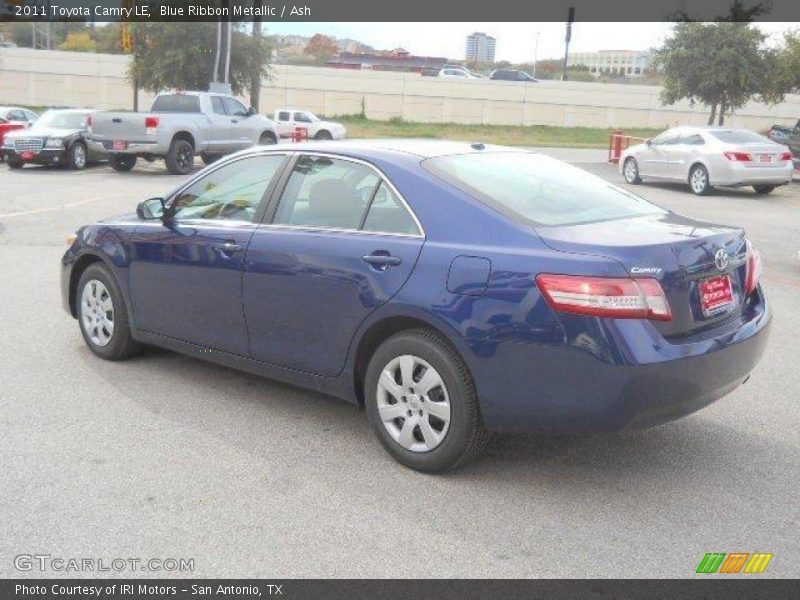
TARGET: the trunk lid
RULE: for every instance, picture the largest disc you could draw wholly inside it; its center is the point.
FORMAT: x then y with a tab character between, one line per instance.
677	251
124	126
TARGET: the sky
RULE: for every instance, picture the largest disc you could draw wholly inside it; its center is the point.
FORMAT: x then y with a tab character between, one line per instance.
516	42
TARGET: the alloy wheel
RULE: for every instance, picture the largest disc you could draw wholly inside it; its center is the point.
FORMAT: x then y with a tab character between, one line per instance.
630	171
413	403
698	180
79	156
97	312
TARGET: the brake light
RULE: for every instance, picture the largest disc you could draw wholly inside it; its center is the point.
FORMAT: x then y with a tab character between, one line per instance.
754	268
786	156
605	296
738	156
89	121
150	125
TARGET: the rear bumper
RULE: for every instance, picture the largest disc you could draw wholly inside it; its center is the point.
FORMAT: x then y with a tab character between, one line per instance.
565	389
735	174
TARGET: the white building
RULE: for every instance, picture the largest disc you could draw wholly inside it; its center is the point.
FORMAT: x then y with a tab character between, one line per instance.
480	47
627	63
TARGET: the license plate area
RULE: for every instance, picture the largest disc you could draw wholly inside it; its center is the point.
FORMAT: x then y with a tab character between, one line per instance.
120	145
716	295
765	158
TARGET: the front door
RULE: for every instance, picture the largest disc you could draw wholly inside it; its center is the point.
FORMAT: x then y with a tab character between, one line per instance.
243	127
186	273
341	244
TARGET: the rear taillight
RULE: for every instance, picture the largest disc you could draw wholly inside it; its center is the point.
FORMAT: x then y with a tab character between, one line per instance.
605	296
754	267
786	156
150	125
89	121
738	156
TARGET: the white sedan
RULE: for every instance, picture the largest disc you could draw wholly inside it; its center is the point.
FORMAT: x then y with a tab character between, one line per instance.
705	157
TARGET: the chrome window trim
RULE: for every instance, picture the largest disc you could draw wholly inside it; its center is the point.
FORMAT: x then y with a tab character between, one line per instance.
383	178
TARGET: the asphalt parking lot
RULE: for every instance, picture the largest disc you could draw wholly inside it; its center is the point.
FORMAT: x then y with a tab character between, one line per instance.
165	456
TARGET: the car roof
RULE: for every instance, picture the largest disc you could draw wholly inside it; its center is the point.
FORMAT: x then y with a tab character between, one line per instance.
421	148
72	110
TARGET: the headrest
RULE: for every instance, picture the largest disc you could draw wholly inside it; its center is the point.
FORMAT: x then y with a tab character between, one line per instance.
331	198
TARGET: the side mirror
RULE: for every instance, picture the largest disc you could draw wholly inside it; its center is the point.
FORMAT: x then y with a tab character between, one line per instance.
649	142
151	209
251	112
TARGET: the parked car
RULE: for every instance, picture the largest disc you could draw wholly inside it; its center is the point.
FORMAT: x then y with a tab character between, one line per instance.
452	289
511	75
58	137
287	120
788	136
705	157
17	114
457	73
179	126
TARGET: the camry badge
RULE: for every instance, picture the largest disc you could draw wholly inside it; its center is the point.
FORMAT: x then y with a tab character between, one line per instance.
645	270
721	259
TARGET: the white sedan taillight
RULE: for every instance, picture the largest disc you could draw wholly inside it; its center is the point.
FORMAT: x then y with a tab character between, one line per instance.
754	268
606	296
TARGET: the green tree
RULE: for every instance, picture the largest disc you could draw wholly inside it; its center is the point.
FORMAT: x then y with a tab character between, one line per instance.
721	65
109	38
79	41
787	63
176	55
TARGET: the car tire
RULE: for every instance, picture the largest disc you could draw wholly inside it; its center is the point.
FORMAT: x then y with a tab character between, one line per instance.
323	134
180	157
409	428
267	139
210	158
763	190
103	315
77	157
123	162
698	180
630	171
14	162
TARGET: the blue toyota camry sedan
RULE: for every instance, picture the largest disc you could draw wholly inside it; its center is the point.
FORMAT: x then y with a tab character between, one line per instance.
452	289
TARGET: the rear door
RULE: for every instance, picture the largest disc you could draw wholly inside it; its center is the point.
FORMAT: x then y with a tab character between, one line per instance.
243	128
185	275
341	243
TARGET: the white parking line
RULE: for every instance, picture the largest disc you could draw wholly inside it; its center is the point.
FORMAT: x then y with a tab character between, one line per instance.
54	208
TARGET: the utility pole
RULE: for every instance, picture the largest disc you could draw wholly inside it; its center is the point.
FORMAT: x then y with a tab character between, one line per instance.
255	83
536	54
568	37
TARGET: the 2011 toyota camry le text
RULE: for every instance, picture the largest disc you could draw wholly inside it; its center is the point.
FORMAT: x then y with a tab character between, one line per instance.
452	289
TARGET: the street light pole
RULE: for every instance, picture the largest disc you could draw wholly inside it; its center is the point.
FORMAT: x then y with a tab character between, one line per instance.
536	53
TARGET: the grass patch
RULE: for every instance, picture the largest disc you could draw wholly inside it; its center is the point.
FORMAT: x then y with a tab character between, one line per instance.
507	135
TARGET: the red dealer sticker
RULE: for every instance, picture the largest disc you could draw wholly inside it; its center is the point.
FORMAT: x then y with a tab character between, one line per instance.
716	294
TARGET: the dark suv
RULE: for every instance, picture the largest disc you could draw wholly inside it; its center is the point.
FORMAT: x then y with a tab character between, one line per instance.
511	75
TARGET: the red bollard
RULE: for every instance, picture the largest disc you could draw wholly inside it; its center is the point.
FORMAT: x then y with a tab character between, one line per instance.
615	146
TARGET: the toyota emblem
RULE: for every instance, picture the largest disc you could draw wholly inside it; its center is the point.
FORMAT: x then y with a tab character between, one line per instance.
721	259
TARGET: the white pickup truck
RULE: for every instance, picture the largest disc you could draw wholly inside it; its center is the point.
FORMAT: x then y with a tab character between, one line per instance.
179	126
288	119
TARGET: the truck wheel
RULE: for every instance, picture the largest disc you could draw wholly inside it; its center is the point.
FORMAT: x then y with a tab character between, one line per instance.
323	134
123	162
180	158
210	158
267	139
76	156
14	162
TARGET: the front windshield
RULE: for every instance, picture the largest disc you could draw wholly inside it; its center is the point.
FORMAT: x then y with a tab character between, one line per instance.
63	120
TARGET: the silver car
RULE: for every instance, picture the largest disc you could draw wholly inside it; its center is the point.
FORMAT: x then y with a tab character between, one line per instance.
705	157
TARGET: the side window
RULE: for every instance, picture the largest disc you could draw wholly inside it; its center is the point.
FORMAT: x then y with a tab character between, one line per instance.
16	115
217	106
232	192
693	140
387	214
233	107
301	117
326	192
283	115
666	139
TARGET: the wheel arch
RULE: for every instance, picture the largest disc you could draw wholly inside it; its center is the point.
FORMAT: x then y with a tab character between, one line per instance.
270	134
692	165
185	136
82	263
382	329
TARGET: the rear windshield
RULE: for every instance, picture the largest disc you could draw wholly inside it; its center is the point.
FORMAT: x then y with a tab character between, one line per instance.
738	137
177	103
538	190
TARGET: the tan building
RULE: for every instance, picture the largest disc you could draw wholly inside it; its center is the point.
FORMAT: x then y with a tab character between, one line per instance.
627	63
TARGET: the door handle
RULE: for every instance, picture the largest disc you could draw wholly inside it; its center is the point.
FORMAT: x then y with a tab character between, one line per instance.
228	249
381	261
